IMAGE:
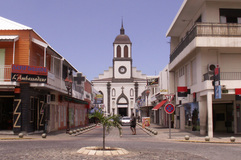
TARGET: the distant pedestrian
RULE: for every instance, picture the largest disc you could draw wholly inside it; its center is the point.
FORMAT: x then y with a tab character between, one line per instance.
133	124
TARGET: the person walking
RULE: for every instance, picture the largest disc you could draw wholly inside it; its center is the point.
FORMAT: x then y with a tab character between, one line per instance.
133	124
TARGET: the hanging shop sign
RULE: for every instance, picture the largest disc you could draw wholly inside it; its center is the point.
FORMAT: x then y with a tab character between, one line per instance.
24	73
238	94
99	99
182	91
152	81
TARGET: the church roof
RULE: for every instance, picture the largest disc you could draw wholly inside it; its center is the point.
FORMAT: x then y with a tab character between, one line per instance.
122	38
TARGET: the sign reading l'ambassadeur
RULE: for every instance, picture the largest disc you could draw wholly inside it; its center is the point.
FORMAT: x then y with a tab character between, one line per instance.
25	73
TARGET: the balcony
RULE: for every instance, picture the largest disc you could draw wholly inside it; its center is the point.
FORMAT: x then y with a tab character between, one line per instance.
5	73
224	76
206	30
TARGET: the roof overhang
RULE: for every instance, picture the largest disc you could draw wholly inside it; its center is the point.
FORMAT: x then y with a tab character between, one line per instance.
185	15
40	43
8	38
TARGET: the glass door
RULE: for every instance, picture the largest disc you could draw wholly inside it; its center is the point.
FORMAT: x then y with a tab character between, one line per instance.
2	64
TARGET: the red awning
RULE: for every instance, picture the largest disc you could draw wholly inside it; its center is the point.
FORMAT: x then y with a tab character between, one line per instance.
159	105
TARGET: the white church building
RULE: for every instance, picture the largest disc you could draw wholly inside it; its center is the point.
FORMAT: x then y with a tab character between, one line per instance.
122	84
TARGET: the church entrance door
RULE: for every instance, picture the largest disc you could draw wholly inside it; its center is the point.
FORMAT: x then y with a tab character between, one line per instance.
123	112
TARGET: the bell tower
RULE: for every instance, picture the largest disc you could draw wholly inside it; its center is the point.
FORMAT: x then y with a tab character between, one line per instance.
122	58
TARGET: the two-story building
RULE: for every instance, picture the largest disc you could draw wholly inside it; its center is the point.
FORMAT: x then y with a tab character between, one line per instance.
33	78
205	35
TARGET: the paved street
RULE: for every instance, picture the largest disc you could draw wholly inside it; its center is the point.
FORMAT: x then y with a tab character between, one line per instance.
141	146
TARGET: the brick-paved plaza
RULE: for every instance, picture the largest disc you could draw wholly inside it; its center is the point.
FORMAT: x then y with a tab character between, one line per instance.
141	146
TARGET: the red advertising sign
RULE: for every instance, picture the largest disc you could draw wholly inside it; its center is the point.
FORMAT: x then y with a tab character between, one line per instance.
29	70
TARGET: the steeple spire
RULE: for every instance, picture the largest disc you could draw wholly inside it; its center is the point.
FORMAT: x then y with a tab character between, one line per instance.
122	30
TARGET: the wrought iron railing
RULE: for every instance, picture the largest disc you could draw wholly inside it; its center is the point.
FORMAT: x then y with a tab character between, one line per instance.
206	29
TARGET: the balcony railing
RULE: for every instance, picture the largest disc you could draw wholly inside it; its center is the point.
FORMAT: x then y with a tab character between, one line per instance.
224	76
208	30
5	73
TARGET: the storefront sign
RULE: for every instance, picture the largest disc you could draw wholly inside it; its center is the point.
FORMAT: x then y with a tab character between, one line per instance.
28	78
24	73
30	70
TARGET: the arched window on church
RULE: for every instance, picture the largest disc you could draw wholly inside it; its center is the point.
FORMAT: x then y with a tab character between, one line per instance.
118	51
113	92
126	52
132	92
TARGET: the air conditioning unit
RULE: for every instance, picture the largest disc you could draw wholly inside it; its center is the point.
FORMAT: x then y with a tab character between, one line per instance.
211	67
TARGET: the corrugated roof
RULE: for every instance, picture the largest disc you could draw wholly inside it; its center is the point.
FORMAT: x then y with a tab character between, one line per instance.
8	38
6	24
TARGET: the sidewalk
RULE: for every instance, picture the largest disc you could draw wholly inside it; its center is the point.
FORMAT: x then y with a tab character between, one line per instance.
194	136
163	135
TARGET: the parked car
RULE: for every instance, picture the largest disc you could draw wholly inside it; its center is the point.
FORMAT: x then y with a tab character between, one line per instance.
125	121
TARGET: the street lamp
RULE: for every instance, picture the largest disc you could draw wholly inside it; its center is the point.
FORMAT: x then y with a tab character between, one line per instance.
68	84
147	95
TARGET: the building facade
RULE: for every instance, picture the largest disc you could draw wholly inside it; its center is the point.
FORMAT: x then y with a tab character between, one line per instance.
122	83
205	35
33	94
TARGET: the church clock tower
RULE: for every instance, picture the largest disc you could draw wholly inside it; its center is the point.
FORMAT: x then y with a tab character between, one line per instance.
122	59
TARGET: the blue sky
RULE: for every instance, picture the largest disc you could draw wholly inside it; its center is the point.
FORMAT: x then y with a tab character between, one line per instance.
83	31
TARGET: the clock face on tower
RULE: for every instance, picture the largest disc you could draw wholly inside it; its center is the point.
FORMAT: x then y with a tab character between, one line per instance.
122	69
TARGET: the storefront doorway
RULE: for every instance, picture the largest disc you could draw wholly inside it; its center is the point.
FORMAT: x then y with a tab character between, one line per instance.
6	113
223	117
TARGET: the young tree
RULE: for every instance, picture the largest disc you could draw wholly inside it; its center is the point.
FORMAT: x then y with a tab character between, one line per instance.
107	122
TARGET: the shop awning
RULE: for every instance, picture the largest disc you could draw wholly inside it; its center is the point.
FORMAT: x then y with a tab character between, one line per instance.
159	105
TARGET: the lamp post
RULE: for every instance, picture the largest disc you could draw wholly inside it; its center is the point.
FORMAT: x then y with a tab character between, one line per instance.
147	95
68	84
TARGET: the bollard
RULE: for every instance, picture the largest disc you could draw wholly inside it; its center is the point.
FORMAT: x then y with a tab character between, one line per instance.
70	132
187	137
207	139
74	131
20	135
232	139
44	135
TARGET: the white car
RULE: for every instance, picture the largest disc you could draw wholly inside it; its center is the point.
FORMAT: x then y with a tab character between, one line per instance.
125	121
